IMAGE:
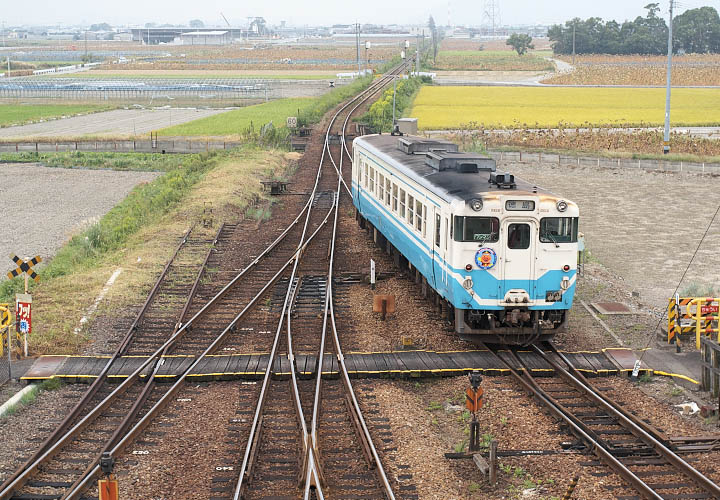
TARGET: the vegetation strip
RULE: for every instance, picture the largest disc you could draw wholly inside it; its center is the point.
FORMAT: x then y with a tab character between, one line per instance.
20	114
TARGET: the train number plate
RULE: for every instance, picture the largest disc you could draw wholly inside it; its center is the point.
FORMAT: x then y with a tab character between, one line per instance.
520	205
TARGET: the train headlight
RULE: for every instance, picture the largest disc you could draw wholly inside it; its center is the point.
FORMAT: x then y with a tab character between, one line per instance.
561	205
468	267
467	283
476	204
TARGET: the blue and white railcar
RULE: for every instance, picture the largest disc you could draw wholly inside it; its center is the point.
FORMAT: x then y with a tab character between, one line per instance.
500	252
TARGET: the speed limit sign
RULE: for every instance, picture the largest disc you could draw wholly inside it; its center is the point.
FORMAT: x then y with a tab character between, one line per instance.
292	121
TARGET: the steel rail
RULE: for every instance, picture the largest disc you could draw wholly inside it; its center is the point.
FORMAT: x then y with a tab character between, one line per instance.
576	426
630	424
8	490
51	443
312	452
145	420
253	437
97	383
182	328
150	383
256	427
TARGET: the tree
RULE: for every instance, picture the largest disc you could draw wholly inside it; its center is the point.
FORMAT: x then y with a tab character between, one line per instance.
434	34
197	23
521	42
697	31
100	27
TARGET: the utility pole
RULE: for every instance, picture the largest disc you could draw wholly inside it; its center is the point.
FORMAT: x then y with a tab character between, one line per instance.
417	55
573	59
357	45
666	137
86	59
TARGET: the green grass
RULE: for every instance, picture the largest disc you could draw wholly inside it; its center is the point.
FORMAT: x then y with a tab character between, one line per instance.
145	203
17	114
239	120
29	397
249	120
141	162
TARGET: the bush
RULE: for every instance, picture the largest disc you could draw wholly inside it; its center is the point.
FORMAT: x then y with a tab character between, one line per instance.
379	116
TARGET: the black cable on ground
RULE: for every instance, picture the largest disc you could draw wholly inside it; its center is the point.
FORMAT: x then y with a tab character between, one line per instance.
662	317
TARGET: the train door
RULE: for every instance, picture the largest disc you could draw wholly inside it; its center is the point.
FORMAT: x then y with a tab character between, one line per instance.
438	269
518	265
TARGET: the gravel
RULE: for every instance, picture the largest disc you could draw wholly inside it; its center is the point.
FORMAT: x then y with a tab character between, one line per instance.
119	121
43	207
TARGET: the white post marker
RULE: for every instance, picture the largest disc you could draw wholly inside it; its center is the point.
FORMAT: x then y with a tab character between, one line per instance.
372	274
636	368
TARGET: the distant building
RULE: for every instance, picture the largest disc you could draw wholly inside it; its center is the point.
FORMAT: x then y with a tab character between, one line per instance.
206	38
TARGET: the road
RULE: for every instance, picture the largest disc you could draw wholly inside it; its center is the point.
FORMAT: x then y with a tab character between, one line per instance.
116	122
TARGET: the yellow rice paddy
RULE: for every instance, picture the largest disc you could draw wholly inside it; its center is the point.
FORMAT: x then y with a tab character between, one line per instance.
490	107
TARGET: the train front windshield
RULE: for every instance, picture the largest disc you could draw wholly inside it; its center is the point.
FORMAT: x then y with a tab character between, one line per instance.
485	229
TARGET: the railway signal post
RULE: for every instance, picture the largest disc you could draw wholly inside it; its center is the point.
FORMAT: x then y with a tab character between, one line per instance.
108	488
473	402
23	301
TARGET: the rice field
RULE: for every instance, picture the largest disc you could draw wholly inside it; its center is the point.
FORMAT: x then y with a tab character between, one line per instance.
237	121
490	60
688	69
440	108
14	114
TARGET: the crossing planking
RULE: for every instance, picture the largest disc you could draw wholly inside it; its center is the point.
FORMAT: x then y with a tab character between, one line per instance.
25	267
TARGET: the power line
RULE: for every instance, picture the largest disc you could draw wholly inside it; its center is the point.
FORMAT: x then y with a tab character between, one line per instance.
491	13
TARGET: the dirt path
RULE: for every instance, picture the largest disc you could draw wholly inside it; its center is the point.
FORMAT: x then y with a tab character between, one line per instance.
44	206
119	121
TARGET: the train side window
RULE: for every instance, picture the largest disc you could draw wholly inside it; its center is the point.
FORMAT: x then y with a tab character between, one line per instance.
388	190
402	203
410	209
381	187
365	176
418	215
424	221
437	230
394	198
371	187
446	233
518	236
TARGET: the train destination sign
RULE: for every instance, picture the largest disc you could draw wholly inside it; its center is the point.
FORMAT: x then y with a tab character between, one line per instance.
520	205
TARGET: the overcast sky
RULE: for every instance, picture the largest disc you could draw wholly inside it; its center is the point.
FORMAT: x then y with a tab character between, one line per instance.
323	12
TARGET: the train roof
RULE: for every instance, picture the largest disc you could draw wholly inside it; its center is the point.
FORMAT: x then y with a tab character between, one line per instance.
420	158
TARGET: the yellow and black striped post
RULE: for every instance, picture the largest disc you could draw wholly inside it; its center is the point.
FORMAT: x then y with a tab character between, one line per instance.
571	488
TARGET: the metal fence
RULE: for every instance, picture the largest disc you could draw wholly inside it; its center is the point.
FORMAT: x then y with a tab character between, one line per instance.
624	163
159	90
126	146
710	362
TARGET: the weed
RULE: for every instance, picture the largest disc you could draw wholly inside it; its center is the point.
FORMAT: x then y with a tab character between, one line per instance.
519	472
675	391
503	421
460	447
473	486
464	417
486	439
529	484
434	421
645	377
507	469
434	406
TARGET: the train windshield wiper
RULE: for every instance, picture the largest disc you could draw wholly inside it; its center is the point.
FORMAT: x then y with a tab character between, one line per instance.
548	235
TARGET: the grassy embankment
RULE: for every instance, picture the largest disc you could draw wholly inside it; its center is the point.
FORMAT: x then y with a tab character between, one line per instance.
189	75
139	235
18	114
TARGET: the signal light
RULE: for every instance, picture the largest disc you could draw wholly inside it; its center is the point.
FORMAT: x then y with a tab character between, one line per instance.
468	267
566	268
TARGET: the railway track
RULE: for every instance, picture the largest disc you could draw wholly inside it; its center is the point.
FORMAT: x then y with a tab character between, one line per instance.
192	316
641	455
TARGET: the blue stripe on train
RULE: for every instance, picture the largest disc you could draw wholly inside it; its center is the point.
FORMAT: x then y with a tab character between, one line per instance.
486	286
